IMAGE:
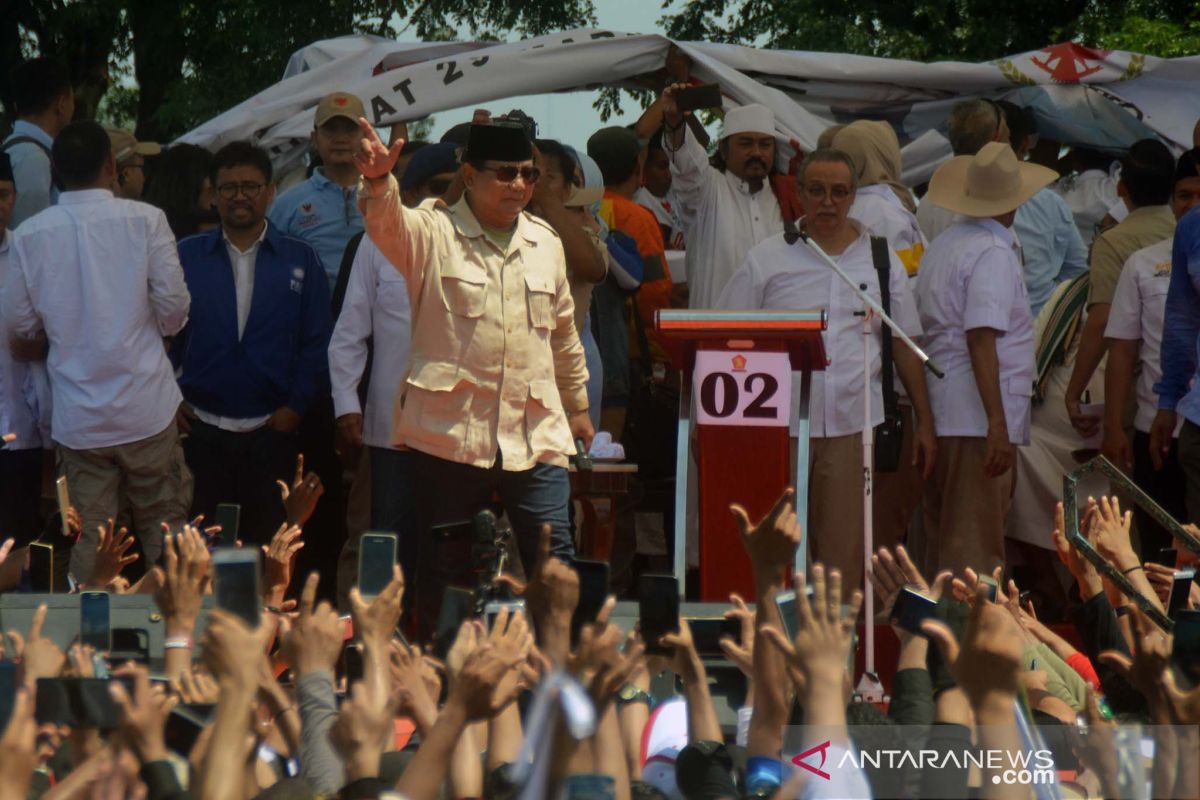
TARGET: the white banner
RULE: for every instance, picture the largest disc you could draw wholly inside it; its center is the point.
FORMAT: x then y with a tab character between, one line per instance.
1080	96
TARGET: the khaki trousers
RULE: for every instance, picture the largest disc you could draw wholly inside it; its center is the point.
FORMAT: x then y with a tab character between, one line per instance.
149	477
835	506
897	494
964	511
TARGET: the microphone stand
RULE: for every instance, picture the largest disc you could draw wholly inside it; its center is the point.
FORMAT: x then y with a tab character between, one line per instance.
869	687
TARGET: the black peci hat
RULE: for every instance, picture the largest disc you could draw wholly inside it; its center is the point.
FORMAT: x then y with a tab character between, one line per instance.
498	141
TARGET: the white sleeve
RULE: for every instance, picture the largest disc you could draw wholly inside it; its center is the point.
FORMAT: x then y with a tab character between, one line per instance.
1125	314
348	344
690	170
20	317
904	302
742	291
169	297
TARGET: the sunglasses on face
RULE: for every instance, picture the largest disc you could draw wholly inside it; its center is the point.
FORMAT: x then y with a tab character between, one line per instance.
228	191
509	173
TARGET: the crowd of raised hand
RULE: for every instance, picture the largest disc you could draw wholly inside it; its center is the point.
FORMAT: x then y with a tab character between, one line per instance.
278	719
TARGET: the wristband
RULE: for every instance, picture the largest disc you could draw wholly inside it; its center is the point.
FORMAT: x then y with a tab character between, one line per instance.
1133	568
177	643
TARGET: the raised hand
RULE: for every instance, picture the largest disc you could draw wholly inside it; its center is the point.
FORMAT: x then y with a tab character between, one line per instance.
1084	573
277	558
824	630
375	159
376	621
989	659
300	500
313	643
473	691
772	541
143	716
112	555
1109	533
740	652
358	734
892	572
195	687
550	597
184	574
1151	649
18	743
233	651
410	690
40	656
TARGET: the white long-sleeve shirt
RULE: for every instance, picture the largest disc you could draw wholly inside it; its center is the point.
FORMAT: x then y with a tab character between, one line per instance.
724	218
24	387
101	277
376	306
780	276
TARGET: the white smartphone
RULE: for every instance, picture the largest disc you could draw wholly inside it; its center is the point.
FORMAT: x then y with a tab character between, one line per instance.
64	503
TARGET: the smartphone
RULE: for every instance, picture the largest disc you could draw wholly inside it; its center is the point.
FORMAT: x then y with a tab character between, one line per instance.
94	624
456	607
41	568
75	702
64	503
376	557
911	609
991	585
785	602
707	633
1167	557
8	690
1185	644
236	582
593	591
658	610
493	608
694	98
352	664
183	727
1181	588
228	516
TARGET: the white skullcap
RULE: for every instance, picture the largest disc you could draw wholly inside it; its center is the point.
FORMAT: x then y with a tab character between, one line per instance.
754	118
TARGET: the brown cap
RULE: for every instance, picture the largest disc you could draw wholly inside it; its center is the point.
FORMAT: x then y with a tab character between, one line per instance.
124	145
338	104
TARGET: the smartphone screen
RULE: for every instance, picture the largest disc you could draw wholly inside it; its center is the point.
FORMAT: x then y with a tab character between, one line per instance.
183	727
593	591
8	690
456	607
1167	557
376	557
694	98
707	633
1185	644
237	583
658	610
228	516
41	568
786	603
352	664
64	503
990	583
94	623
1181	588
911	609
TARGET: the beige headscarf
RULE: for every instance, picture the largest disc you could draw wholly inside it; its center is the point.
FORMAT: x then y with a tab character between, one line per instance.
875	151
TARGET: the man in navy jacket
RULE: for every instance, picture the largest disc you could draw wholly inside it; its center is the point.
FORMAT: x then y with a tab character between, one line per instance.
253	355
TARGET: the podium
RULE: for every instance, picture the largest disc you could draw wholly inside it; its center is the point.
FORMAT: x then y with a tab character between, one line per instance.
742	362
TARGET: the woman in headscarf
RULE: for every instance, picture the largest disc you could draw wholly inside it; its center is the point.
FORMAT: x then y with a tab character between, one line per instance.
883	203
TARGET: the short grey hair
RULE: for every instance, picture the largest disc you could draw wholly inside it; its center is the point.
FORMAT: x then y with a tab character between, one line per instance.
828	155
973	123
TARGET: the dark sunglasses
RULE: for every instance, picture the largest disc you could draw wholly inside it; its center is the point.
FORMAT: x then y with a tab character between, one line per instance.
508	173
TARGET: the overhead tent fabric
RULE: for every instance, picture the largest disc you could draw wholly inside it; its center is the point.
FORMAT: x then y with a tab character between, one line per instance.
1103	99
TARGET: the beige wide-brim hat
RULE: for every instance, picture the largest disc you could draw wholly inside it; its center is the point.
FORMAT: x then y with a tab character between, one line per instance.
990	183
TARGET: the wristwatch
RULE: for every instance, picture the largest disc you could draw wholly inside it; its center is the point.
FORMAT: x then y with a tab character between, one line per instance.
632	694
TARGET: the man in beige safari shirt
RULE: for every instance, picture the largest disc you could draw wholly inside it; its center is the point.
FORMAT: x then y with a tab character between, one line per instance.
496	390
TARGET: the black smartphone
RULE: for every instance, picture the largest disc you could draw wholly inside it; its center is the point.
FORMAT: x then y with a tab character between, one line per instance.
911	609
593	591
492	610
1185	644
1181	588
8	691
992	586
229	517
707	633
694	98
1166	556
94	621
658	610
183	727
75	702
41	568
457	605
376	557
352	664
236	582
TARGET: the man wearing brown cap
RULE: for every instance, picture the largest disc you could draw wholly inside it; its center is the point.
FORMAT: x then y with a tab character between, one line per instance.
975	312
497	386
323	210
130	155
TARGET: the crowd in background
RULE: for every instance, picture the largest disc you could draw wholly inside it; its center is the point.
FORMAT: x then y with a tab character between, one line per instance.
416	331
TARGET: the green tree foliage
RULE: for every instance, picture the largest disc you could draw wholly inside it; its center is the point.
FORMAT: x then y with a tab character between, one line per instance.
167	65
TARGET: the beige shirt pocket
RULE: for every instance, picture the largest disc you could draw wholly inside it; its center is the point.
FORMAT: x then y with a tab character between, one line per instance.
437	405
540	295
545	420
464	289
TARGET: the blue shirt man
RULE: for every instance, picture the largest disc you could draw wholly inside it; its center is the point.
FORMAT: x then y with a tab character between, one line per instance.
323	210
252	358
1181	327
1051	247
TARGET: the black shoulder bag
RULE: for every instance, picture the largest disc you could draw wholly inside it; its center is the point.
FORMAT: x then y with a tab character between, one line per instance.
889	434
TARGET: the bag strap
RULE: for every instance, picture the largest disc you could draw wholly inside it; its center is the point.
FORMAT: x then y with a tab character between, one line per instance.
55	181
881	255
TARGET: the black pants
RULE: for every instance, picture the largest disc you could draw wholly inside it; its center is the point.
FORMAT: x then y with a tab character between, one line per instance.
241	468
20	495
1168	488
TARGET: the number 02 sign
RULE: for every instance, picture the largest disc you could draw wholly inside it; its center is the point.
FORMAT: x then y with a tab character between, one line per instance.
742	388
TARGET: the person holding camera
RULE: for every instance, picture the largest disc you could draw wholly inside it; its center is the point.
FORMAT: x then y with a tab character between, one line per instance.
791	276
496	391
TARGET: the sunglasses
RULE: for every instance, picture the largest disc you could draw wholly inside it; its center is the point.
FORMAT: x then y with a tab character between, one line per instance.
228	191
508	173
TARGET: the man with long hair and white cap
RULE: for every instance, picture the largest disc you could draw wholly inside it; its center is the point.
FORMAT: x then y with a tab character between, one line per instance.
978	328
730	208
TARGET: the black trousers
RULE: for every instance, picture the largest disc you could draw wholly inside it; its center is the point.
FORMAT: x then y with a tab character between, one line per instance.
1167	486
241	468
21	495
